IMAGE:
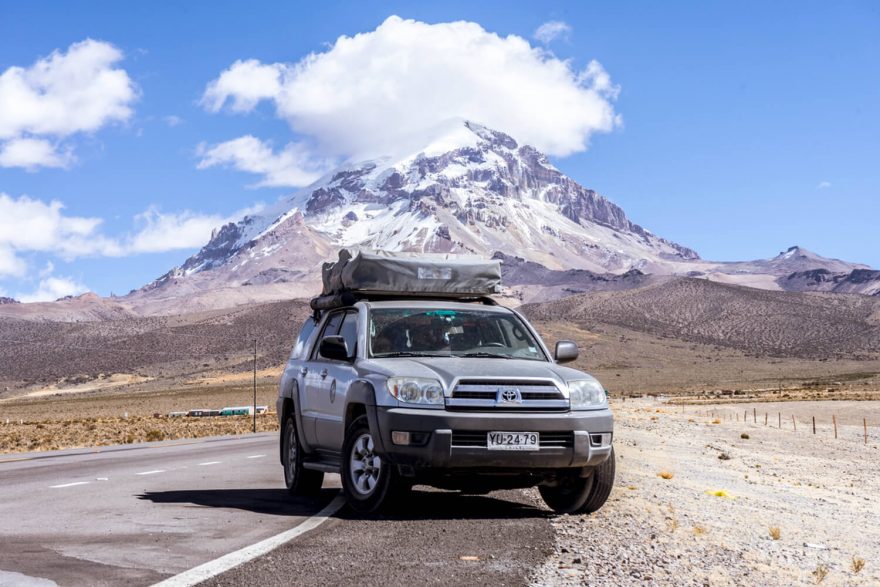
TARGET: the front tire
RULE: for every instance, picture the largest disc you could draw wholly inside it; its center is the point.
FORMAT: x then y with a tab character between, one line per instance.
368	482
299	480
581	495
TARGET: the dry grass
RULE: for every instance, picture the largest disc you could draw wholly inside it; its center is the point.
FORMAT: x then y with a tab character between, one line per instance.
820	573
775	532
665	474
857	564
699	530
84	432
716	421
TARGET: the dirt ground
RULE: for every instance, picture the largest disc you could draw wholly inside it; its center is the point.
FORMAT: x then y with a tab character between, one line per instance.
776	508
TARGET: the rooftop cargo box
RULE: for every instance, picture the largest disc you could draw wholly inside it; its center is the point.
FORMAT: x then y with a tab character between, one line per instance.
416	274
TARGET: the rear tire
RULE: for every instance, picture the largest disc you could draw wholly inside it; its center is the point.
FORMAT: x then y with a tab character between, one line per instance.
299	480
368	482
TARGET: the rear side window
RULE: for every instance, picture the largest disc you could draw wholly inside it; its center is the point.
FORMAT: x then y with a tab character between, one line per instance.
302	341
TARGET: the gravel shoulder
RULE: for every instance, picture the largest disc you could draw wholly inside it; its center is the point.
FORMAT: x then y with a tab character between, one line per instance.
710	523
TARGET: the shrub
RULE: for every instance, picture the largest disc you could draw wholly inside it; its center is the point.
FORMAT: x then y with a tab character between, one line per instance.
665	474
820	573
744	436
154	435
775	532
857	564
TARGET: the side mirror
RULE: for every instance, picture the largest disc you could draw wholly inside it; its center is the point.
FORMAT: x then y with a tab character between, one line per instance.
566	351
333	348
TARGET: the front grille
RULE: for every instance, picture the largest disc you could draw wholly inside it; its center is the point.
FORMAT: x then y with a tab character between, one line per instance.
477	439
483	394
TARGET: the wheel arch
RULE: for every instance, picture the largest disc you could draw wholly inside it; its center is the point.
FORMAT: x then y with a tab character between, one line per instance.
361	401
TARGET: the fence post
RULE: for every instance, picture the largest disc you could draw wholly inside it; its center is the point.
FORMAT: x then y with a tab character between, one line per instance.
765	418
755	414
865	424
780	420
814	424
834	419
794	422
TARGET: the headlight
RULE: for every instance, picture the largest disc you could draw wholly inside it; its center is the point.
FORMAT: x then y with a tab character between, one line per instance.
585	394
416	390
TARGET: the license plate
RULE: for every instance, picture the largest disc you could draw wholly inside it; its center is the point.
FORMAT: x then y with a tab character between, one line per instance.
513	440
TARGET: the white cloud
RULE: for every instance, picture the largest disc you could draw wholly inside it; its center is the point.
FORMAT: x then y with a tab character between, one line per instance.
10	264
823	185
30	225
246	83
61	95
52	288
293	166
552	30
33	153
173	120
367	95
183	230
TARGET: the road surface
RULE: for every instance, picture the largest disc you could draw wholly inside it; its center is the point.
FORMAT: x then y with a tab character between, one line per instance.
138	514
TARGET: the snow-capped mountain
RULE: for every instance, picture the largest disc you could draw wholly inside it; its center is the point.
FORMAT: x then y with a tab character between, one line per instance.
469	190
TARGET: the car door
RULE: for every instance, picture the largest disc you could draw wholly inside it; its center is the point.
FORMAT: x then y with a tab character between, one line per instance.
315	382
330	415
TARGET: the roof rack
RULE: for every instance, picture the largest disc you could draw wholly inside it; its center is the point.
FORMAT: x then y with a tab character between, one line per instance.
383	275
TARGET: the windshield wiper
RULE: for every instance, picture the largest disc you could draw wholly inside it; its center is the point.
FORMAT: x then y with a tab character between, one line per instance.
485	355
406	354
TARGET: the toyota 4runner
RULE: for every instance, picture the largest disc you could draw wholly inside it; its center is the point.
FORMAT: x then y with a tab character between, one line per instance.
455	392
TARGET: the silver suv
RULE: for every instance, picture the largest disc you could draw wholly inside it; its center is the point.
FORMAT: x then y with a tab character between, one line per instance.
458	395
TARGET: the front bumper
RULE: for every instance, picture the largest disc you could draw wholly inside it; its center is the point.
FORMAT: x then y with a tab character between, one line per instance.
440	427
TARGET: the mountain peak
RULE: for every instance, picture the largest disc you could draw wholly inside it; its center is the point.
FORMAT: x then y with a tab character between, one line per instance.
461	187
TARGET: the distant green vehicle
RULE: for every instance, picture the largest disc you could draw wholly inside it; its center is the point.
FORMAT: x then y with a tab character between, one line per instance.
238	411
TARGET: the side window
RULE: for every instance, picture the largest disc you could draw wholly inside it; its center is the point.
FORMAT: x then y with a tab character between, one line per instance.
331	328
299	349
349	331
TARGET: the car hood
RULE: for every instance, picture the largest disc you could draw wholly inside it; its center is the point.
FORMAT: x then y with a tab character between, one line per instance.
447	370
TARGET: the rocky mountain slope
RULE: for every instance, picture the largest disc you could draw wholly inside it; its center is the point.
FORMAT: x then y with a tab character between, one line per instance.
469	190
757	322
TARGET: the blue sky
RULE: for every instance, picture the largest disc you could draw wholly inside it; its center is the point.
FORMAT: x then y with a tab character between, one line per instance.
746	128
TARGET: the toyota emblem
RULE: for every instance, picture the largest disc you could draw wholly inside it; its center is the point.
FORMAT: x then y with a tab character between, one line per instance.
509	395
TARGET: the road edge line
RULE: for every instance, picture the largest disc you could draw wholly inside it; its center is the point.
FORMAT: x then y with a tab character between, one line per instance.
248	553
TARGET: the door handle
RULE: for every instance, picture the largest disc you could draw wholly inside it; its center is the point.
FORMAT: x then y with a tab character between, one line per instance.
303	370
324	374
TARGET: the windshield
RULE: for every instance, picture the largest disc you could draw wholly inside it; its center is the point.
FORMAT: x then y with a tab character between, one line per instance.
424	332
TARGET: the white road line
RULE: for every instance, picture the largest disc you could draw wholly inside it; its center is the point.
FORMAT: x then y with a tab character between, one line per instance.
209	463
68	484
249	553
151	472
256	456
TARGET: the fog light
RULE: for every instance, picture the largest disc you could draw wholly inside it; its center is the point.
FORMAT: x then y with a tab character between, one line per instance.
601	439
400	437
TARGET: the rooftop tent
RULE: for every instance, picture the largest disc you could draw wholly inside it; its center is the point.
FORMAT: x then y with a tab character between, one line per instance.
416	274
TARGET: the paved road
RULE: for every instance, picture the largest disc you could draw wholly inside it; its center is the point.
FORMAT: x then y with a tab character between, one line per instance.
137	514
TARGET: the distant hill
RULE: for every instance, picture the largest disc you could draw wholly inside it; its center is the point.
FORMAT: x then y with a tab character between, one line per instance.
762	323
